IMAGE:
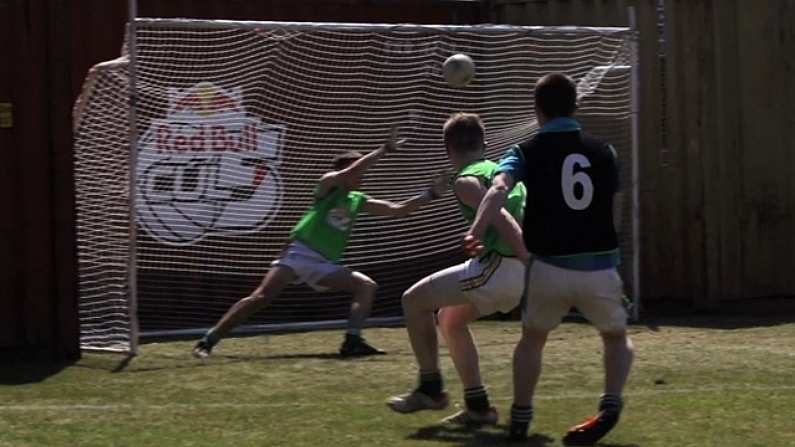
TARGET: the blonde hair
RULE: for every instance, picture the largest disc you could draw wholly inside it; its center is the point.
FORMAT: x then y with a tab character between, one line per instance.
464	132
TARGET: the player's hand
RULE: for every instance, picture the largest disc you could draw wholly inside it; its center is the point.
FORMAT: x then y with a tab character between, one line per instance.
472	246
392	142
440	183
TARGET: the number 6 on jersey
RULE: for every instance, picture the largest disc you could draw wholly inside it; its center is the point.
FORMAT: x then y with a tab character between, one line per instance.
568	180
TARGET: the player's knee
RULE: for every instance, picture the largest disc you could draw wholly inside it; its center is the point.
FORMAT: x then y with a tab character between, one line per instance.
406	298
618	339
257	297
533	338
409	300
449	325
366	284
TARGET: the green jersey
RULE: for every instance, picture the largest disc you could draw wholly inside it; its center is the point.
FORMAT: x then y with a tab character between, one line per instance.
327	225
514	204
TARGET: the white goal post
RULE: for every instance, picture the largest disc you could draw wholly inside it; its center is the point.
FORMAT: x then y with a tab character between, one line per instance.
183	200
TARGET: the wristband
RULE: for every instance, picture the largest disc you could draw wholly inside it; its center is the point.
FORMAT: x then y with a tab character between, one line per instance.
429	195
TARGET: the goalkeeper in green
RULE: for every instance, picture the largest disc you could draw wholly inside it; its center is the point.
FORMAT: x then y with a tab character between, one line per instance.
316	245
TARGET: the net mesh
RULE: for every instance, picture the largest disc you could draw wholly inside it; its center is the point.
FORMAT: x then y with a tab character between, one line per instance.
237	121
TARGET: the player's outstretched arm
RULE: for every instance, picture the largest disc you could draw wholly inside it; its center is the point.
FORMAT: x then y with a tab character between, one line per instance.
472	193
360	166
400	209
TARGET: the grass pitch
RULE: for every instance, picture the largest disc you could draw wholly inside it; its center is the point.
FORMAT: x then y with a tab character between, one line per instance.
693	384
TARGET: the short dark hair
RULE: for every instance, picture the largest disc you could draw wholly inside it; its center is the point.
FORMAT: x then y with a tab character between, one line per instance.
345	159
556	95
464	132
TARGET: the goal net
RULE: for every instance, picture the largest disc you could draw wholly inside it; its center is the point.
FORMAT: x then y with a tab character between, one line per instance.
235	122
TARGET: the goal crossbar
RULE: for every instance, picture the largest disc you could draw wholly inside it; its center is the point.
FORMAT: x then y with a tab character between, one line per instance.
375	27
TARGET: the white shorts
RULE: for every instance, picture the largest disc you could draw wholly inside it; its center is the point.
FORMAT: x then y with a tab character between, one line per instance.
495	284
552	291
309	266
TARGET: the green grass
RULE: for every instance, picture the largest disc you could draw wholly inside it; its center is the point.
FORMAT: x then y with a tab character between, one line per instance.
691	386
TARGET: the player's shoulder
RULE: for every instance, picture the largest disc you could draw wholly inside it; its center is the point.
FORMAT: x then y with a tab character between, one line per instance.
478	168
599	147
468	181
595	143
327	176
358	196
530	143
529	148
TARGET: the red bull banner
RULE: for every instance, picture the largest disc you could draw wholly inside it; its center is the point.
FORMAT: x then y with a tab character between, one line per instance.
207	168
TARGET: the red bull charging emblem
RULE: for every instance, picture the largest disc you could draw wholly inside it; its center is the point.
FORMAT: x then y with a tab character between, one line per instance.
207	168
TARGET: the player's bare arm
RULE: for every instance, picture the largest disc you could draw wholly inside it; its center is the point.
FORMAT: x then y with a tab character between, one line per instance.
401	209
488	211
471	192
360	166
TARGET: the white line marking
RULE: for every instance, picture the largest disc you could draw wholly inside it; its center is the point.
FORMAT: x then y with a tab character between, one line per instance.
222	405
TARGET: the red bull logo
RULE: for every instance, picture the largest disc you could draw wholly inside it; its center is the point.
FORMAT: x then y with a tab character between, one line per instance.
199	137
205	99
207	168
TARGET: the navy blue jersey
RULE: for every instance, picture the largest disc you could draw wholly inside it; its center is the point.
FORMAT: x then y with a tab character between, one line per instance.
571	180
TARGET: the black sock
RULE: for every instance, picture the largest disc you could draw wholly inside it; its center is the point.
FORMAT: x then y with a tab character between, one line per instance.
353	332
431	383
352	338
476	399
610	403
211	338
521	416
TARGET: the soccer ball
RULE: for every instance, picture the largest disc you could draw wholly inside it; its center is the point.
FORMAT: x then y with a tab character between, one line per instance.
458	70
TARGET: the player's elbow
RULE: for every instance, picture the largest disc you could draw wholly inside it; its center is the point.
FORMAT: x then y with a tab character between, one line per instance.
498	190
399	210
501	188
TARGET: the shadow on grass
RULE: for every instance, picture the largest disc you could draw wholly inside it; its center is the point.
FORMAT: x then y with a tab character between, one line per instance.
703	320
308	355
25	372
733	314
155	362
708	320
471	437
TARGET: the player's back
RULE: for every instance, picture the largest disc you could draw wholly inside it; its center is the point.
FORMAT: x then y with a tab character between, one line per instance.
514	204
571	179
